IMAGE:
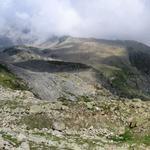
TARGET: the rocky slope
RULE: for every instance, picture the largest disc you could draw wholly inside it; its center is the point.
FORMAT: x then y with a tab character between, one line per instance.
51	78
27	123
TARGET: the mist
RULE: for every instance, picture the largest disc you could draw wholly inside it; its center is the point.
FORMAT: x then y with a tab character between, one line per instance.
107	19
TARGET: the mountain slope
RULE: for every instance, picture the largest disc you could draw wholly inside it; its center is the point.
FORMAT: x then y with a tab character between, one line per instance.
74	67
83	84
123	63
49	78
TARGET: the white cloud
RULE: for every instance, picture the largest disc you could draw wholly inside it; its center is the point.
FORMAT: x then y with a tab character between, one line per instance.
112	19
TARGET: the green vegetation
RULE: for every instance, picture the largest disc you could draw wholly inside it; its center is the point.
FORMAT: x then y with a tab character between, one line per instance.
64	101
35	146
131	138
9	80
49	136
120	81
78	140
12	104
146	140
126	137
84	99
11	139
92	143
123	80
38	121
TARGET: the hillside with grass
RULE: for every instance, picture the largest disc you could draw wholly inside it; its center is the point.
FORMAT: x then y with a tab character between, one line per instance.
10	80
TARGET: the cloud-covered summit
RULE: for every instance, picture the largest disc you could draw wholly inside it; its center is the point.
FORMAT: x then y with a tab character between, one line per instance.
110	19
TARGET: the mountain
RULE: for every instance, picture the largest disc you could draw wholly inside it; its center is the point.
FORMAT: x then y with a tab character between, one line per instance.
4	42
74	93
73	67
124	64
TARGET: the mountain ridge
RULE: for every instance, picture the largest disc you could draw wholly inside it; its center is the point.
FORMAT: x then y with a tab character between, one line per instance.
115	65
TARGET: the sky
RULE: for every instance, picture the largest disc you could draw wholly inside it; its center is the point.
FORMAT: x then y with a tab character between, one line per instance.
106	19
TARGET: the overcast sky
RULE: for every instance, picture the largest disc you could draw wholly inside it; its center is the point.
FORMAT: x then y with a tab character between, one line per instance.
110	19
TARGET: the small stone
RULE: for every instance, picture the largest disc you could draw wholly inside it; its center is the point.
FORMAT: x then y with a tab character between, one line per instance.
97	108
21	137
57	133
35	109
64	107
59	126
103	113
28	94
132	123
121	130
24	146
91	128
5	145
89	105
137	100
57	106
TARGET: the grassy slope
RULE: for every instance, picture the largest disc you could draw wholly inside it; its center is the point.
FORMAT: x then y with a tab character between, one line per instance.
124	81
9	80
